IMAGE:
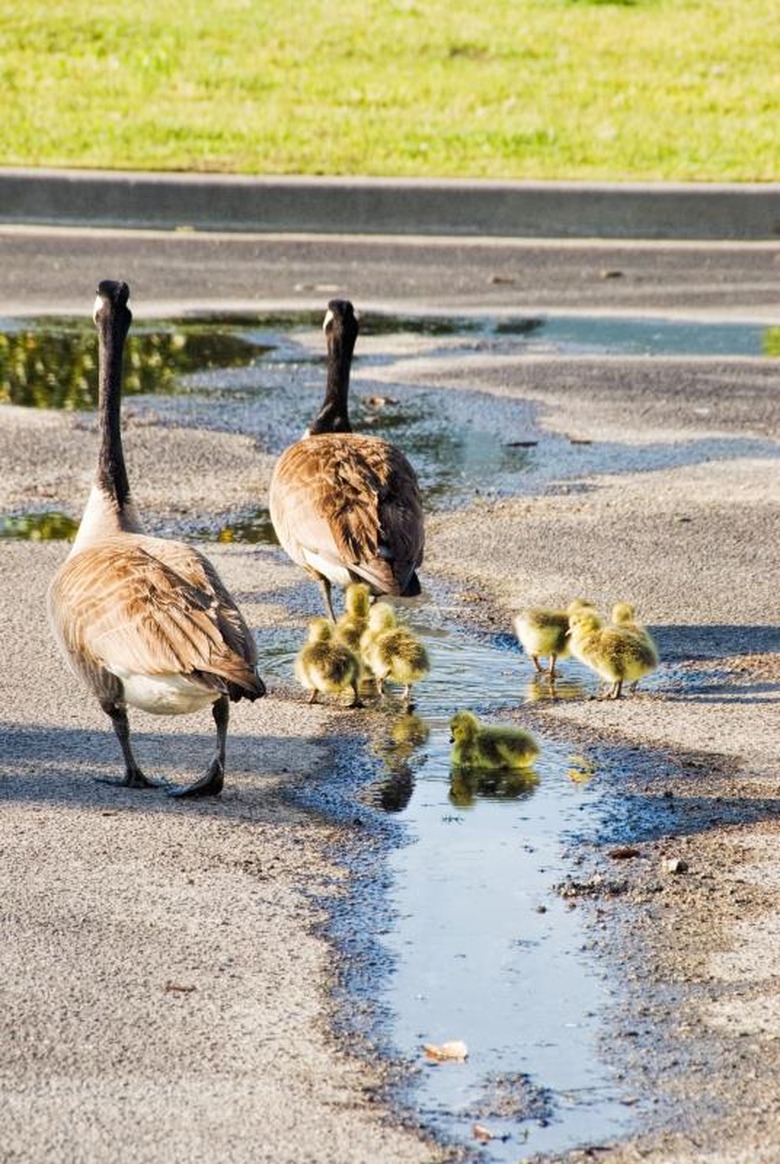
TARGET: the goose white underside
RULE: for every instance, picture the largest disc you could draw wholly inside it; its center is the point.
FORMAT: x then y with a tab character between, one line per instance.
164	694
336	573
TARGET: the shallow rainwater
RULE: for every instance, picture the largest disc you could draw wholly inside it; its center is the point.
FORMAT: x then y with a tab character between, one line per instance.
52	362
47	526
457	930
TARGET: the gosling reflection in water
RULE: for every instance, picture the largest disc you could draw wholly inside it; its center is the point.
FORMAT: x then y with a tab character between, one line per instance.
393	792
541	688
581	769
469	784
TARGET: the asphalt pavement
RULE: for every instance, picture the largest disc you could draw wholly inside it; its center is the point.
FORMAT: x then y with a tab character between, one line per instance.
167	985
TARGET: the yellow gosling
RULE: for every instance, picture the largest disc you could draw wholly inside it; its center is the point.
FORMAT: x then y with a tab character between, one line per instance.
624	615
543	632
476	745
325	666
353	622
392	651
617	654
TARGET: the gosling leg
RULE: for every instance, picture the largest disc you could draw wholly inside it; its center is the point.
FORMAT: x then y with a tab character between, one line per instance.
537	664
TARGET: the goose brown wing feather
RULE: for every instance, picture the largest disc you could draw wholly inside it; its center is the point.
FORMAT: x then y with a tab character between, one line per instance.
151	606
354	501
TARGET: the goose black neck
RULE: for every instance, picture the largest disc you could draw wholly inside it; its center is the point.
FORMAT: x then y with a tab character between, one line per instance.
113	326
334	414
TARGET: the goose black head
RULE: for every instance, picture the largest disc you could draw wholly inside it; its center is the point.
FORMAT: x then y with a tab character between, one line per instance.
111	300
341	318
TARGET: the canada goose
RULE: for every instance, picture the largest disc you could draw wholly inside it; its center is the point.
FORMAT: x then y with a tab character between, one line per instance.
477	745
347	507
542	632
145	621
392	652
616	653
324	665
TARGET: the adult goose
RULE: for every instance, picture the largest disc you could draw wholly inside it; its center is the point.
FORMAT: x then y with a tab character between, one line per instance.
347	507
146	622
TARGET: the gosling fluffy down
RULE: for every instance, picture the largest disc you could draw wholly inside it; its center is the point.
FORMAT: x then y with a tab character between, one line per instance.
616	653
325	666
352	624
391	651
486	746
624	615
543	632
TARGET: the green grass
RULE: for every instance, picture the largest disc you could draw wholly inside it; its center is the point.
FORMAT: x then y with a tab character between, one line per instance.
578	89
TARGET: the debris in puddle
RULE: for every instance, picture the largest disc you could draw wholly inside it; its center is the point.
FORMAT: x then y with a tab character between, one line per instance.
595	886
674	865
484	1135
379	401
454	1051
520	444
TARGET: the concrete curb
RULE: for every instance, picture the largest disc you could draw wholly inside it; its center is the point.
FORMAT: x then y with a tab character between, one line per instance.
390	206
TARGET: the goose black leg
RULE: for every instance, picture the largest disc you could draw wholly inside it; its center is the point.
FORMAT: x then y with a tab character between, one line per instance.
134	777
325	584
214	780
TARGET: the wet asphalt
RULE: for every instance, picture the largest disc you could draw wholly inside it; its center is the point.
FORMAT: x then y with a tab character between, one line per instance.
55	271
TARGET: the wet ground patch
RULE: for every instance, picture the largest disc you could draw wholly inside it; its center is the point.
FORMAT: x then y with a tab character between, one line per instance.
48	526
454	927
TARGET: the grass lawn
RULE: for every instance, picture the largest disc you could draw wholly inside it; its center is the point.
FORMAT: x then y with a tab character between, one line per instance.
578	89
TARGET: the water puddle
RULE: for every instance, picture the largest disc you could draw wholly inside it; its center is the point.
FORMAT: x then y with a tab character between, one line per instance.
49	526
54	365
254	528
456	929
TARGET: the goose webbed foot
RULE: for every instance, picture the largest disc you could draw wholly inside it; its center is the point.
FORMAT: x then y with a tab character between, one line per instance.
134	779
209	785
